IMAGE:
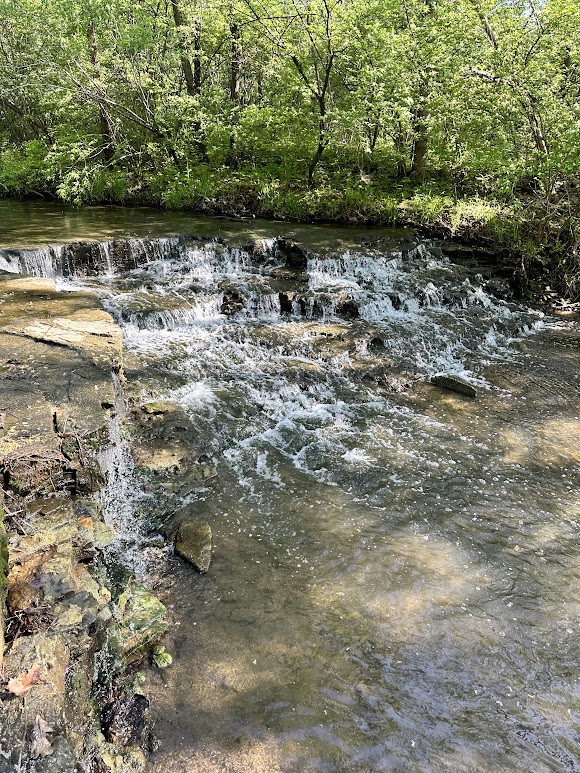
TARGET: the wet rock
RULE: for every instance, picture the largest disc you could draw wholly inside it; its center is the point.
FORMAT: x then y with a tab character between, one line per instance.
4	556
396	301
193	542
160	658
170	444
295	257
376	346
347	307
124	720
23	738
158	459
519	283
69	345
94	533
89	478
232	303
63	421
143	621
157	408
286	302
92	330
132	760
454	384
40	743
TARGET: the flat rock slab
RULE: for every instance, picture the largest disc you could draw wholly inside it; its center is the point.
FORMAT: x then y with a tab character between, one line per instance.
193	542
33	308
57	350
454	384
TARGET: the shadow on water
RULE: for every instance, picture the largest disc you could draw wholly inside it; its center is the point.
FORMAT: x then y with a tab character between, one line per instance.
436	631
36	224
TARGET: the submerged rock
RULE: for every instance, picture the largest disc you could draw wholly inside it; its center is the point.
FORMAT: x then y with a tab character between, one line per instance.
157	408
124	720
160	658
376	346
233	302
287	300
347	307
454	384
193	542
143	620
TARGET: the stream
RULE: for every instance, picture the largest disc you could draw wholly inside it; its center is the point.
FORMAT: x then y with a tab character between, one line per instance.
395	583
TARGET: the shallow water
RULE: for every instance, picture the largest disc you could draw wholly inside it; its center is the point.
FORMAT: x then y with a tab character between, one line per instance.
30	224
395	582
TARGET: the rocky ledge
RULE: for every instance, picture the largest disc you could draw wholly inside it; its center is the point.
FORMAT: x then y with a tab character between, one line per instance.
67	701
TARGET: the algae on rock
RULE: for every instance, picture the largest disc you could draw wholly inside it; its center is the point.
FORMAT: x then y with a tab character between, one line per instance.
143	620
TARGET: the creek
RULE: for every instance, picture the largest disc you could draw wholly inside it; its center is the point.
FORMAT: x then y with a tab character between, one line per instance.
395	580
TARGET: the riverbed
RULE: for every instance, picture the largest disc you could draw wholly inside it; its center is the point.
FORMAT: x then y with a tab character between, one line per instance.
394	584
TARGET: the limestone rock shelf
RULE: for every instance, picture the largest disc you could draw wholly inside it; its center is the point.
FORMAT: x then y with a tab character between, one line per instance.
59	353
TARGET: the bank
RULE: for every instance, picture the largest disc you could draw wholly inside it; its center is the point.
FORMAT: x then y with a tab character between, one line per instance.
75	623
531	231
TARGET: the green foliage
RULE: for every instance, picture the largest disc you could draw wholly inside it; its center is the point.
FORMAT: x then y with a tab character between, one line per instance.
428	111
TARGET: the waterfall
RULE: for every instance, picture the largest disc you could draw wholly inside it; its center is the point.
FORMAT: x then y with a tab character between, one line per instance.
122	494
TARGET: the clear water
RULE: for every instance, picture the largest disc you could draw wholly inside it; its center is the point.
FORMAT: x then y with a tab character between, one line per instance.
395	583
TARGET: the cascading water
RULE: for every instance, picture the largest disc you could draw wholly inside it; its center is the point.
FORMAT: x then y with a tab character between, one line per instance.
395	578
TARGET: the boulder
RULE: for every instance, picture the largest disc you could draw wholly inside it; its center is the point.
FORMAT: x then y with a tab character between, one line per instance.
454	384
233	302
347	307
286	302
193	542
376	346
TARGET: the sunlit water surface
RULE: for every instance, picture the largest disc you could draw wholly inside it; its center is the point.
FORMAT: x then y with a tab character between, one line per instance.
396	575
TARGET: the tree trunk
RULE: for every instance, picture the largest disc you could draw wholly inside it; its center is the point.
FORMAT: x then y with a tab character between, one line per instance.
197	60
314	163
104	123
420	144
401	147
236	58
322	142
192	75
235	64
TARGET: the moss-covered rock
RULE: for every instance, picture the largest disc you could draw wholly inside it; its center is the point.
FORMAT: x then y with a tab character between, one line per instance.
160	658
143	620
3	576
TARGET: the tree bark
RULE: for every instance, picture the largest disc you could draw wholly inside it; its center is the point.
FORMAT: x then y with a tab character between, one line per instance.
322	142
191	75
400	142
420	144
235	64
485	23
235	83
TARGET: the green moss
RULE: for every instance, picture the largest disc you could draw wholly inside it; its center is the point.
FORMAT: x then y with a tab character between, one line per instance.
70	448
142	620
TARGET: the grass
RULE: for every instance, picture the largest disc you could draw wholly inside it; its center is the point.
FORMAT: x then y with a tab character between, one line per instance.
434	206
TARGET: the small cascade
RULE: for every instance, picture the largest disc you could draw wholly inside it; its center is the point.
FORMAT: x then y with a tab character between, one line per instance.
429	313
363	519
122	494
79	259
